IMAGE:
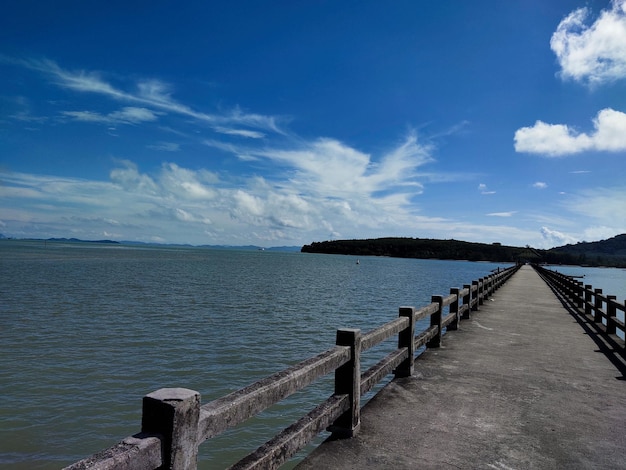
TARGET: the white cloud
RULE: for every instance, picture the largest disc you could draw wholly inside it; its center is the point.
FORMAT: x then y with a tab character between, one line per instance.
133	115
87	116
240	132
129	179
368	197
556	238
126	115
151	93
187	184
330	168
540	185
593	53
502	214
482	187
558	139
165	146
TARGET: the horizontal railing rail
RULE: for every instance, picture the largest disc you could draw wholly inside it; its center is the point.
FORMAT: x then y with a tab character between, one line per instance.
174	423
598	308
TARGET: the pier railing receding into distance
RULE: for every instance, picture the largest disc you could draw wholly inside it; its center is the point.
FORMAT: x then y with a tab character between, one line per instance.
598	308
173	422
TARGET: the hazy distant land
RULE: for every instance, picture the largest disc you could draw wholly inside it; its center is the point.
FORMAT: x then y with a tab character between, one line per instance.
610	252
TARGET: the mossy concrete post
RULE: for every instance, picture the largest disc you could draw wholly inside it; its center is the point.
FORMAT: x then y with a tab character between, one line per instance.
406	340
436	320
467	301
173	413
611	313
597	316
454	308
348	382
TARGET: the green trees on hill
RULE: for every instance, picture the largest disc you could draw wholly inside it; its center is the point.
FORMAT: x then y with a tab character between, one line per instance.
418	248
610	252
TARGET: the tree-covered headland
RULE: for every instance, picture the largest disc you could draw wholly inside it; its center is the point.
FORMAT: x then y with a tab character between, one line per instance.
611	252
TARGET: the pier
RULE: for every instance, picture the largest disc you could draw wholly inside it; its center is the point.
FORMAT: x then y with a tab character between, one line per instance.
526	383
520	369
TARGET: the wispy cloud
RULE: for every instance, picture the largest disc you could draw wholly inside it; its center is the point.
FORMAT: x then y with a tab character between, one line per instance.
165	146
482	187
502	214
241	152
593	53
152	93
240	132
603	206
556	140
127	115
24	113
327	166
540	185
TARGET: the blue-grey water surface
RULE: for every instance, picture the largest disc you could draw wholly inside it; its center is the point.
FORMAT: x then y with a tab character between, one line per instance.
87	330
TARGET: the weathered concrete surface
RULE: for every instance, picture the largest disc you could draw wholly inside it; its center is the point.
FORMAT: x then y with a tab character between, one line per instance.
521	385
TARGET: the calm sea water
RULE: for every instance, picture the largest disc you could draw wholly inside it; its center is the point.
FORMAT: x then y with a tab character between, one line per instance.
87	330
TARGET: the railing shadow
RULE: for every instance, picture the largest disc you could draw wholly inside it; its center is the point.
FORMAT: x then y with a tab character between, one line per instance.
606	345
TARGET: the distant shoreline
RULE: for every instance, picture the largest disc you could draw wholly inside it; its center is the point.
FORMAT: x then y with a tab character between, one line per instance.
155	244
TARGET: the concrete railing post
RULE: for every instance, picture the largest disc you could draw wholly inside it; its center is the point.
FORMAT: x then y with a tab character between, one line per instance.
579	294
481	291
348	382
611	313
467	301
475	295
454	308
173	414
588	294
406	340
436	320
597	316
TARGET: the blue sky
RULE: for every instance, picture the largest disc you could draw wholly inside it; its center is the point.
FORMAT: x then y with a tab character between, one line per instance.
288	122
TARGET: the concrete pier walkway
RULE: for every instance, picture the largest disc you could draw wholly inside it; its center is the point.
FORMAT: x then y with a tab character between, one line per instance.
521	385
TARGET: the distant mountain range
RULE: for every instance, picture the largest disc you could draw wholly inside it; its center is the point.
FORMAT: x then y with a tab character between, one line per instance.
611	252
214	247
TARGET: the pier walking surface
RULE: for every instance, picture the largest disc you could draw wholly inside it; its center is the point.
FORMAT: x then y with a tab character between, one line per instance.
523	384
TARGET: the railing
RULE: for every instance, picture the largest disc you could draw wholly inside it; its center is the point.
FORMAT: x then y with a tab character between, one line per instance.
591	303
174	423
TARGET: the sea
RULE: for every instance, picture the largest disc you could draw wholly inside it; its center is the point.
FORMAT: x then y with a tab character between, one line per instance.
86	330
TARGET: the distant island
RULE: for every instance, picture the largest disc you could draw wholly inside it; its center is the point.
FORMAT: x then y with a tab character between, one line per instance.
136	243
76	240
610	253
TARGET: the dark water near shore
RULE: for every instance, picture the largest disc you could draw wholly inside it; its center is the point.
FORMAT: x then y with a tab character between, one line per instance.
87	330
